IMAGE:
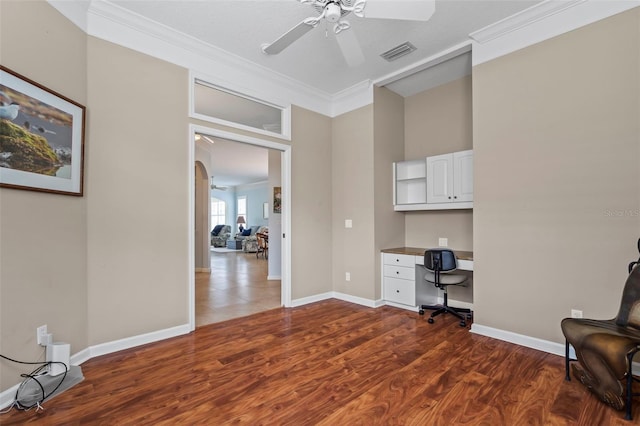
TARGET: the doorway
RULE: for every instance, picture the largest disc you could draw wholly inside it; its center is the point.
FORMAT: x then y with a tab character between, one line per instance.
285	153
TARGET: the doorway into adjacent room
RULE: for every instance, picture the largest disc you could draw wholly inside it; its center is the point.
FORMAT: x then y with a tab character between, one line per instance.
238	282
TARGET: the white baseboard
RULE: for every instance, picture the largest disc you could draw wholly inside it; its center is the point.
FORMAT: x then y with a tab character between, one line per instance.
522	340
357	300
80	357
7	397
311	299
274	277
142	339
533	343
401	306
340	296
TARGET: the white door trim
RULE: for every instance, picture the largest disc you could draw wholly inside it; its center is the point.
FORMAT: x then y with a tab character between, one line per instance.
286	210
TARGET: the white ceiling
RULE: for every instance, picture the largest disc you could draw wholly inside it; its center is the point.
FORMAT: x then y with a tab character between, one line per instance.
235	163
240	27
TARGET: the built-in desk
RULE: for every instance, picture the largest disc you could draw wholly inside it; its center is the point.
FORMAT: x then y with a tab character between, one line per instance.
400	274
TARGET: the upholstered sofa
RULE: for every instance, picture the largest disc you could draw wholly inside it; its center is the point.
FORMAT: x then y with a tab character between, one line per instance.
219	235
250	241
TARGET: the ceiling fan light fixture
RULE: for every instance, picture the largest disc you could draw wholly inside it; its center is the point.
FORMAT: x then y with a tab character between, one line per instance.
332	12
398	52
341	26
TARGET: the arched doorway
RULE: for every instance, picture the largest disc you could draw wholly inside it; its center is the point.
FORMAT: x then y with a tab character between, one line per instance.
201	218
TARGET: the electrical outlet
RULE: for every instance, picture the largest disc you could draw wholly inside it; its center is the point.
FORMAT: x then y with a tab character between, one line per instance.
348	223
443	242
347	276
575	313
41	335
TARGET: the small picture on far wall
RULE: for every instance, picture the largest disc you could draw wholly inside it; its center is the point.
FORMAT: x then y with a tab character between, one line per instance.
277	199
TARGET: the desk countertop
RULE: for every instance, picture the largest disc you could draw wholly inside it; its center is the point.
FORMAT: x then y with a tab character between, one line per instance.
416	251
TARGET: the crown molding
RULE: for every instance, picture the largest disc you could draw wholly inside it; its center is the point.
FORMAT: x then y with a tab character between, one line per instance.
105	20
541	22
352	98
522	19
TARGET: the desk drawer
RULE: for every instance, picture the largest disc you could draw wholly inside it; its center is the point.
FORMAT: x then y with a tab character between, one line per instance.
398	259
399	272
400	291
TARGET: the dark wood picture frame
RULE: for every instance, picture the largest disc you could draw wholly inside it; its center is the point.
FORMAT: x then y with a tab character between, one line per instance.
41	137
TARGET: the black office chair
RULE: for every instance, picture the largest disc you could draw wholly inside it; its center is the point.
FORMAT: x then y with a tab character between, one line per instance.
439	262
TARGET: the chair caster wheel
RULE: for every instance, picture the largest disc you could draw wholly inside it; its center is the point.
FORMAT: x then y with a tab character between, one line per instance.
430	320
463	323
421	312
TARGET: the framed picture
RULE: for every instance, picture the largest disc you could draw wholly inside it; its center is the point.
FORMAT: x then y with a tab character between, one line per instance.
265	210
277	199
41	137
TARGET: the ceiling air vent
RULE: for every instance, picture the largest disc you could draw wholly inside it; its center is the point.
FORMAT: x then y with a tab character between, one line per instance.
398	51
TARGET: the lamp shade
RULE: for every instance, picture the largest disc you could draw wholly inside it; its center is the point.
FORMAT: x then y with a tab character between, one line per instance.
240	219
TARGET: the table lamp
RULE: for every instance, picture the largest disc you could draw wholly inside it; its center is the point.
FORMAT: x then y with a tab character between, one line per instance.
240	221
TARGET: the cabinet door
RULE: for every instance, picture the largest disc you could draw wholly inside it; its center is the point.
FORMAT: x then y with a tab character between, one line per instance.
463	176
440	178
400	291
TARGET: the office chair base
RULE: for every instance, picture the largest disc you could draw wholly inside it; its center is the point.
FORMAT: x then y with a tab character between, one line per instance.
444	309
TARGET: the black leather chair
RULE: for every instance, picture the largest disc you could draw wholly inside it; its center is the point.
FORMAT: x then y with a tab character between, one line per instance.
439	264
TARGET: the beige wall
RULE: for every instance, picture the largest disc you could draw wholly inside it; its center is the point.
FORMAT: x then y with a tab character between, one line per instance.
275	220
310	203
557	177
136	193
439	121
388	136
352	194
42	236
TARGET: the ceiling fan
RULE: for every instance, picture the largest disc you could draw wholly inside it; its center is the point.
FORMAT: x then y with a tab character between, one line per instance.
214	186
333	11
205	137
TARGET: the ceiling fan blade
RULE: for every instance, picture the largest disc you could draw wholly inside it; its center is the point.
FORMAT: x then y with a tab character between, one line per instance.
350	48
287	38
411	10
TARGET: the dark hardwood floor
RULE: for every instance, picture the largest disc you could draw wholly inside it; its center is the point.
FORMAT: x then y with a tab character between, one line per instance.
328	363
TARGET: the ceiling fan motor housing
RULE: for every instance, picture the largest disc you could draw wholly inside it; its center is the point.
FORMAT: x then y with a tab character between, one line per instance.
333	12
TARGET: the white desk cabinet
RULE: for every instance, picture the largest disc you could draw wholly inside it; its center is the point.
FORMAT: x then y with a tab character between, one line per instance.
403	282
450	178
440	182
398	278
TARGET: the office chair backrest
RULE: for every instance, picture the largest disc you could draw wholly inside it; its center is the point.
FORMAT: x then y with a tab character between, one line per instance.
440	259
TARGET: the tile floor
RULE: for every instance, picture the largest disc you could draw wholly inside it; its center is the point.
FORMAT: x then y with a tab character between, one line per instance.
237	286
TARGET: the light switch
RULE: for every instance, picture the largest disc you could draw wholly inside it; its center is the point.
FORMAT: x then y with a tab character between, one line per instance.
348	223
443	242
